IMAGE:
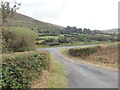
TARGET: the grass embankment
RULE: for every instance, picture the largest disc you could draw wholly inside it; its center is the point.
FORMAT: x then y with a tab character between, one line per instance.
106	55
54	78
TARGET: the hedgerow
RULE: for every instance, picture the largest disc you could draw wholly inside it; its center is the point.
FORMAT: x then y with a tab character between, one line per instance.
82	52
19	69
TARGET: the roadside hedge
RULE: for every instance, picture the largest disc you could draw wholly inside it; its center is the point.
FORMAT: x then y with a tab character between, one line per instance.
19	69
83	52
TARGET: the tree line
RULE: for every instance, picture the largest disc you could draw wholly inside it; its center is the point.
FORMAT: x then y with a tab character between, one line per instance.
69	30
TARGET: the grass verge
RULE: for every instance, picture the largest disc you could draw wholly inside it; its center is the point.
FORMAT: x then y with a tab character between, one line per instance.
55	77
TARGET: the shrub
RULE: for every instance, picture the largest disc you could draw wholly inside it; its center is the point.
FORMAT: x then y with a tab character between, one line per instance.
63	40
83	52
18	69
19	39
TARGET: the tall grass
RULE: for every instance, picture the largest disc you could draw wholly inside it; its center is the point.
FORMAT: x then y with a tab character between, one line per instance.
108	54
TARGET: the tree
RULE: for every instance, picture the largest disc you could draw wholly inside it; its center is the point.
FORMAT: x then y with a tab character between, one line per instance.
86	31
8	11
97	32
68	28
75	29
80	30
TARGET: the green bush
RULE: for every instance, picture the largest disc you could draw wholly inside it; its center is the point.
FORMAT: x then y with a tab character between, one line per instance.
18	39
18	69
82	52
63	40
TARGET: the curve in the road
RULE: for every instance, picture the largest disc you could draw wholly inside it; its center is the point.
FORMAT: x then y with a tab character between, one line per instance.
82	75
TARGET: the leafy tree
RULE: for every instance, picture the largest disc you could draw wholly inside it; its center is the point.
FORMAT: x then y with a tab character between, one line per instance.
97	32
80	30
68	28
74	29
86	31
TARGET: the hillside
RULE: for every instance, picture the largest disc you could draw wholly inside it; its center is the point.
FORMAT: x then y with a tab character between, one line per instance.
19	20
114	30
51	35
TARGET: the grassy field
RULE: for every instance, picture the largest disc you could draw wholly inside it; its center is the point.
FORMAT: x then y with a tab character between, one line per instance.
106	57
55	37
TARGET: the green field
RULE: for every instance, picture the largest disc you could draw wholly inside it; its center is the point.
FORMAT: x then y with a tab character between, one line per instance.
55	37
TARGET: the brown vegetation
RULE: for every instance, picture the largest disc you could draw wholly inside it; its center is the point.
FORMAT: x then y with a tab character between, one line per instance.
41	81
108	54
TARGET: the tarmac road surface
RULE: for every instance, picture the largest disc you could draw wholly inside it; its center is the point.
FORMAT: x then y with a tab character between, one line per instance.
82	75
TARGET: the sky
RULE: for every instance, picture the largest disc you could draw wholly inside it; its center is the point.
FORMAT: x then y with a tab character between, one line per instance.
92	14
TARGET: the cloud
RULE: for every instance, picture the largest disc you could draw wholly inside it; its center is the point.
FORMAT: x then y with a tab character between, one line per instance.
93	14
41	9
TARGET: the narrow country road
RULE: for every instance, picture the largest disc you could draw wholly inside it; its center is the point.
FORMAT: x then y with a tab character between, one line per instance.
82	75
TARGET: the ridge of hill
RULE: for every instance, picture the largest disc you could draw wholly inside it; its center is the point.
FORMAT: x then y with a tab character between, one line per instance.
113	30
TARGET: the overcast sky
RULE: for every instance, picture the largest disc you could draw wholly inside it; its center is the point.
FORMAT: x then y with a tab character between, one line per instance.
93	14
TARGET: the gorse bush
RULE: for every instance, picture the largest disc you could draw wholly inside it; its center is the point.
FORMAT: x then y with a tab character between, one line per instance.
18	69
18	39
83	52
